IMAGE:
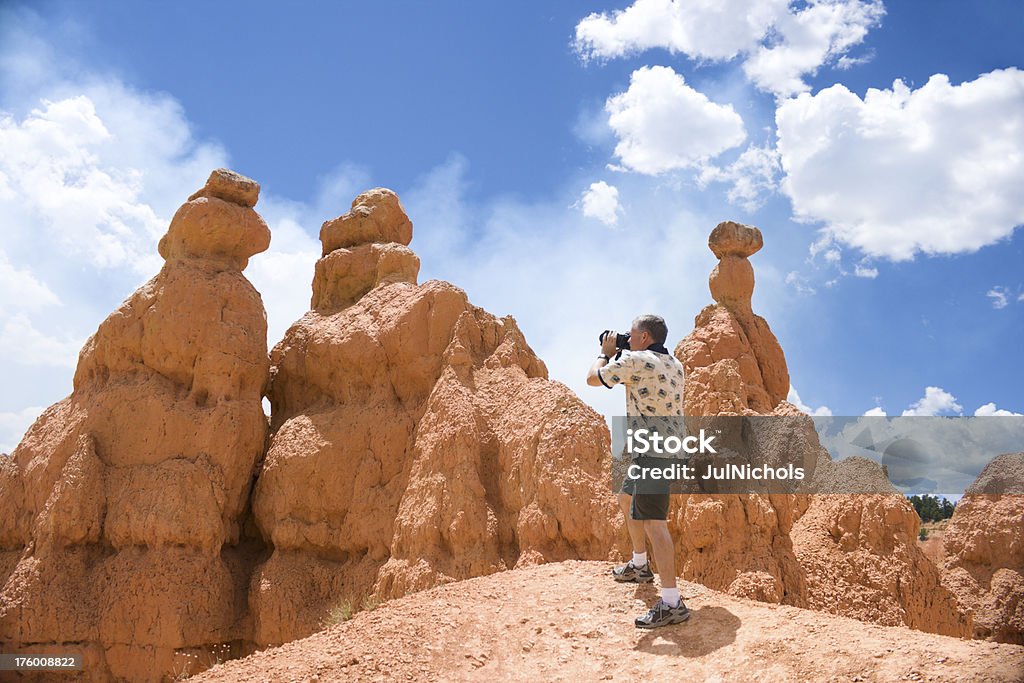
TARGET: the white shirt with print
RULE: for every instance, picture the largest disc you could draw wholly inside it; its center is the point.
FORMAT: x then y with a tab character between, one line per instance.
654	382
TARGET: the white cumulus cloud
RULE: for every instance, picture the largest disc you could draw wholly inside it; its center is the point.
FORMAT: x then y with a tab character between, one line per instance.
990	410
807	38
91	171
21	289
662	124
56	183
88	182
794	398
601	201
778	42
936	170
934	402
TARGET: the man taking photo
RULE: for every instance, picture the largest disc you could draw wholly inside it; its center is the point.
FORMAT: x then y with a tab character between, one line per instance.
654	388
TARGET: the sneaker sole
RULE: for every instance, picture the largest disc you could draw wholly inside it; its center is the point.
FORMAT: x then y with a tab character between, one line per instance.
670	622
633	580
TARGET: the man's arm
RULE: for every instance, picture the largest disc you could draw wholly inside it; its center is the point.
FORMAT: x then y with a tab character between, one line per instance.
593	378
607	349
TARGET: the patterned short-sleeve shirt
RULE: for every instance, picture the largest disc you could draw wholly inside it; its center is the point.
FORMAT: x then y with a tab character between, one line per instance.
653	380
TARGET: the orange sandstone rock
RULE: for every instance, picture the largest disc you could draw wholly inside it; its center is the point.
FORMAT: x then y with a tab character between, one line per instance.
860	557
231	187
984	550
343	276
122	506
849	554
734	364
735	239
416	440
376	216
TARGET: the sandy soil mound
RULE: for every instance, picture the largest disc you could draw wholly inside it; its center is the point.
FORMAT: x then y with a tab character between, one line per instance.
569	622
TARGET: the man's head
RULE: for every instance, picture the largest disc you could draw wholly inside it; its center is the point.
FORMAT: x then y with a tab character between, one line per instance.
647	330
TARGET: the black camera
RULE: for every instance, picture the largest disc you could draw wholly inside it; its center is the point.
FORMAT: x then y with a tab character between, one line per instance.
621	340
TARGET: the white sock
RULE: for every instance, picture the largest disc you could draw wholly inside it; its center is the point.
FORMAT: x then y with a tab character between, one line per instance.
670	596
639	560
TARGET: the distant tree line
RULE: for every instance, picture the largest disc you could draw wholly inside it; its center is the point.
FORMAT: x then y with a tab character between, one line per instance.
931	508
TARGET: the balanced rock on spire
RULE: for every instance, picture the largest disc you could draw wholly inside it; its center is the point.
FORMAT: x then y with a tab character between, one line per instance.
732	280
734	364
217	223
850	554
362	249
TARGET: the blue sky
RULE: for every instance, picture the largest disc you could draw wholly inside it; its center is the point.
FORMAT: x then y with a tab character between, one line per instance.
562	162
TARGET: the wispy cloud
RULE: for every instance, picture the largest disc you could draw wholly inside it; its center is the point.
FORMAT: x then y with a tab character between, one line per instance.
998	296
865	271
753	176
542	263
1002	296
14	424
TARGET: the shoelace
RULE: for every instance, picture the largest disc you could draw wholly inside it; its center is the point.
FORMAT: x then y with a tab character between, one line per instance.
656	610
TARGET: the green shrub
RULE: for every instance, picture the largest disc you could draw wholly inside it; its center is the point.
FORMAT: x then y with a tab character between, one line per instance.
343	611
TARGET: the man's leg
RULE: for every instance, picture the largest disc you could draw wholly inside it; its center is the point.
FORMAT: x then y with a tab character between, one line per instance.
664	551
638	569
635	526
670	609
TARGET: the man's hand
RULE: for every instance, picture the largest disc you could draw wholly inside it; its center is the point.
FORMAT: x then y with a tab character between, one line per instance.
608	347
607	351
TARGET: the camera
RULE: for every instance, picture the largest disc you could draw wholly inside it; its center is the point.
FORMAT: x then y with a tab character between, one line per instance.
621	340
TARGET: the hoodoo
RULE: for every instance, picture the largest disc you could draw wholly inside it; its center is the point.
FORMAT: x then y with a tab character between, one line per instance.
122	506
850	554
416	439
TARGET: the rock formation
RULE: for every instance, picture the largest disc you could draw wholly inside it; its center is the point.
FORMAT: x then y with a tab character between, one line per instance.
415	439
121	507
153	517
984	550
734	364
850	554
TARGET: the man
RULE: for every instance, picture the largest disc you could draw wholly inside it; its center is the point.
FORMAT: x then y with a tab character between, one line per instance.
654	387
